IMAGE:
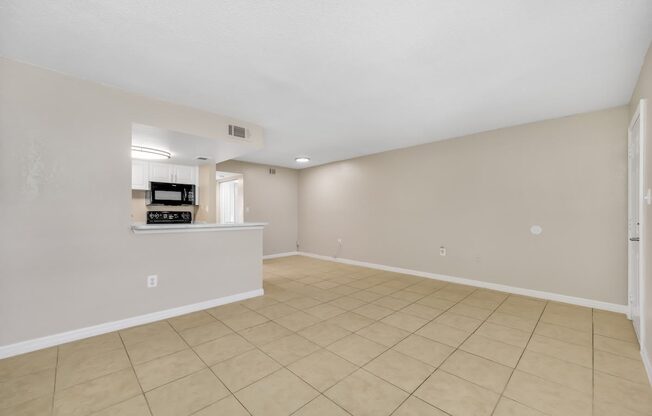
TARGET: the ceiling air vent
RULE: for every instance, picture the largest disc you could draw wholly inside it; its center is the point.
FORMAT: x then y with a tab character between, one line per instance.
201	158
237	131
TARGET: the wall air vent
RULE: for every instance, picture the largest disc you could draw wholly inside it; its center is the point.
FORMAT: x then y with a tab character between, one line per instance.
237	131
272	171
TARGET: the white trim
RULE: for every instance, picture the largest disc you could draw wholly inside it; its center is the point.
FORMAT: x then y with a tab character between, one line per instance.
646	363
613	307
90	331
278	255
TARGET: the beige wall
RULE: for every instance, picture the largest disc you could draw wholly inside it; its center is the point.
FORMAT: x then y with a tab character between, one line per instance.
68	258
478	196
271	199
643	90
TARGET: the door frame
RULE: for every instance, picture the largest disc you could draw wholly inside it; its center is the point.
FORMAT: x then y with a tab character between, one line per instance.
642	200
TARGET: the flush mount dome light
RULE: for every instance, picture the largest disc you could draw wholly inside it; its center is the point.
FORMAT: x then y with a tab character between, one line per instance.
149	153
302	159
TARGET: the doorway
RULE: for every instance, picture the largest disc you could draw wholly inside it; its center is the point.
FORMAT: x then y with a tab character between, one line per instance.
636	200
230	198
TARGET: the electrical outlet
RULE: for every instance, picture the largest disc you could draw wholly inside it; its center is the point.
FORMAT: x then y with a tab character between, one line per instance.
442	251
339	241
152	280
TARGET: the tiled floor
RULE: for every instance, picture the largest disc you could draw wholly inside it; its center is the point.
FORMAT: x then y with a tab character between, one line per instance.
331	339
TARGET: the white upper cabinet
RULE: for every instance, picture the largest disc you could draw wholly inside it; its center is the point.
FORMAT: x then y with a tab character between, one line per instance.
143	172
185	174
139	175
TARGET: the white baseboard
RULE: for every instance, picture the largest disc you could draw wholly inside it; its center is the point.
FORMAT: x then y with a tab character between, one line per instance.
278	255
589	303
90	331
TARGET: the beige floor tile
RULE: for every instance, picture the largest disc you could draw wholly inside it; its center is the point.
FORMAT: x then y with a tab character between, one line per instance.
546	396
520	310
77	370
41	406
619	366
613	325
297	321
324	311
17	390
422	311
259	302
29	363
357	349
204	333
276	311
244	369
444	334
382	290
243	320
456	396
191	320
435	302
417	407
171	367
553	369
322	369
278	394
288	349
399	369
321	406
392	303
384	334
512	321
187	395
612	409
508	407
324	333
458	321
302	302
564	334
363	394
142	333
423	349
406	295
264	333
97	394
616	346
478	370
88	347
136	406
351	321
230	309
222	348
572	353
470	311
229	406
156	346
374	312
347	303
504	334
404	321
577	322
497	351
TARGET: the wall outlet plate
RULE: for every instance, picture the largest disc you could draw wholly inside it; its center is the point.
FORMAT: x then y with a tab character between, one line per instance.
442	251
152	280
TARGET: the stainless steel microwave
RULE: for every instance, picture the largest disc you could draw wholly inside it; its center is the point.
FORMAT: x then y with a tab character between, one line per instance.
164	193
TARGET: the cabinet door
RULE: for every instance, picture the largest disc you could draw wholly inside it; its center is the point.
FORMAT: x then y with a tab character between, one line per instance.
139	175
185	174
160	172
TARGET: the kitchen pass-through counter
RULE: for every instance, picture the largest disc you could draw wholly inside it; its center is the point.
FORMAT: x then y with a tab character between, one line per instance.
143	228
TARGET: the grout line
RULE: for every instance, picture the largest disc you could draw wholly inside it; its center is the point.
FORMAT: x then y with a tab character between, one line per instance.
133	370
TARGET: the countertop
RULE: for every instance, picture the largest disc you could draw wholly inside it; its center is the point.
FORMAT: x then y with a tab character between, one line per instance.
142	228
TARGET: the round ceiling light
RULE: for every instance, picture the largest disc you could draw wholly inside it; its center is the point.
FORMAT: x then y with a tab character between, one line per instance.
302	159
149	153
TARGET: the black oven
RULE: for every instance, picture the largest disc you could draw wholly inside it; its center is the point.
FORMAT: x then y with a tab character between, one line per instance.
163	193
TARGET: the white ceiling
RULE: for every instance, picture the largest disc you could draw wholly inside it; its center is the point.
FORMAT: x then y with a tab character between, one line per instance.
337	79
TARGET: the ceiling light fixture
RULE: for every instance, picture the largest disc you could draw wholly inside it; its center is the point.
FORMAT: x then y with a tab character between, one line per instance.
302	159
149	153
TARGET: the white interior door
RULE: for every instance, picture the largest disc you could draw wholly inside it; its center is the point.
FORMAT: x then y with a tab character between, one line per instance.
635	205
